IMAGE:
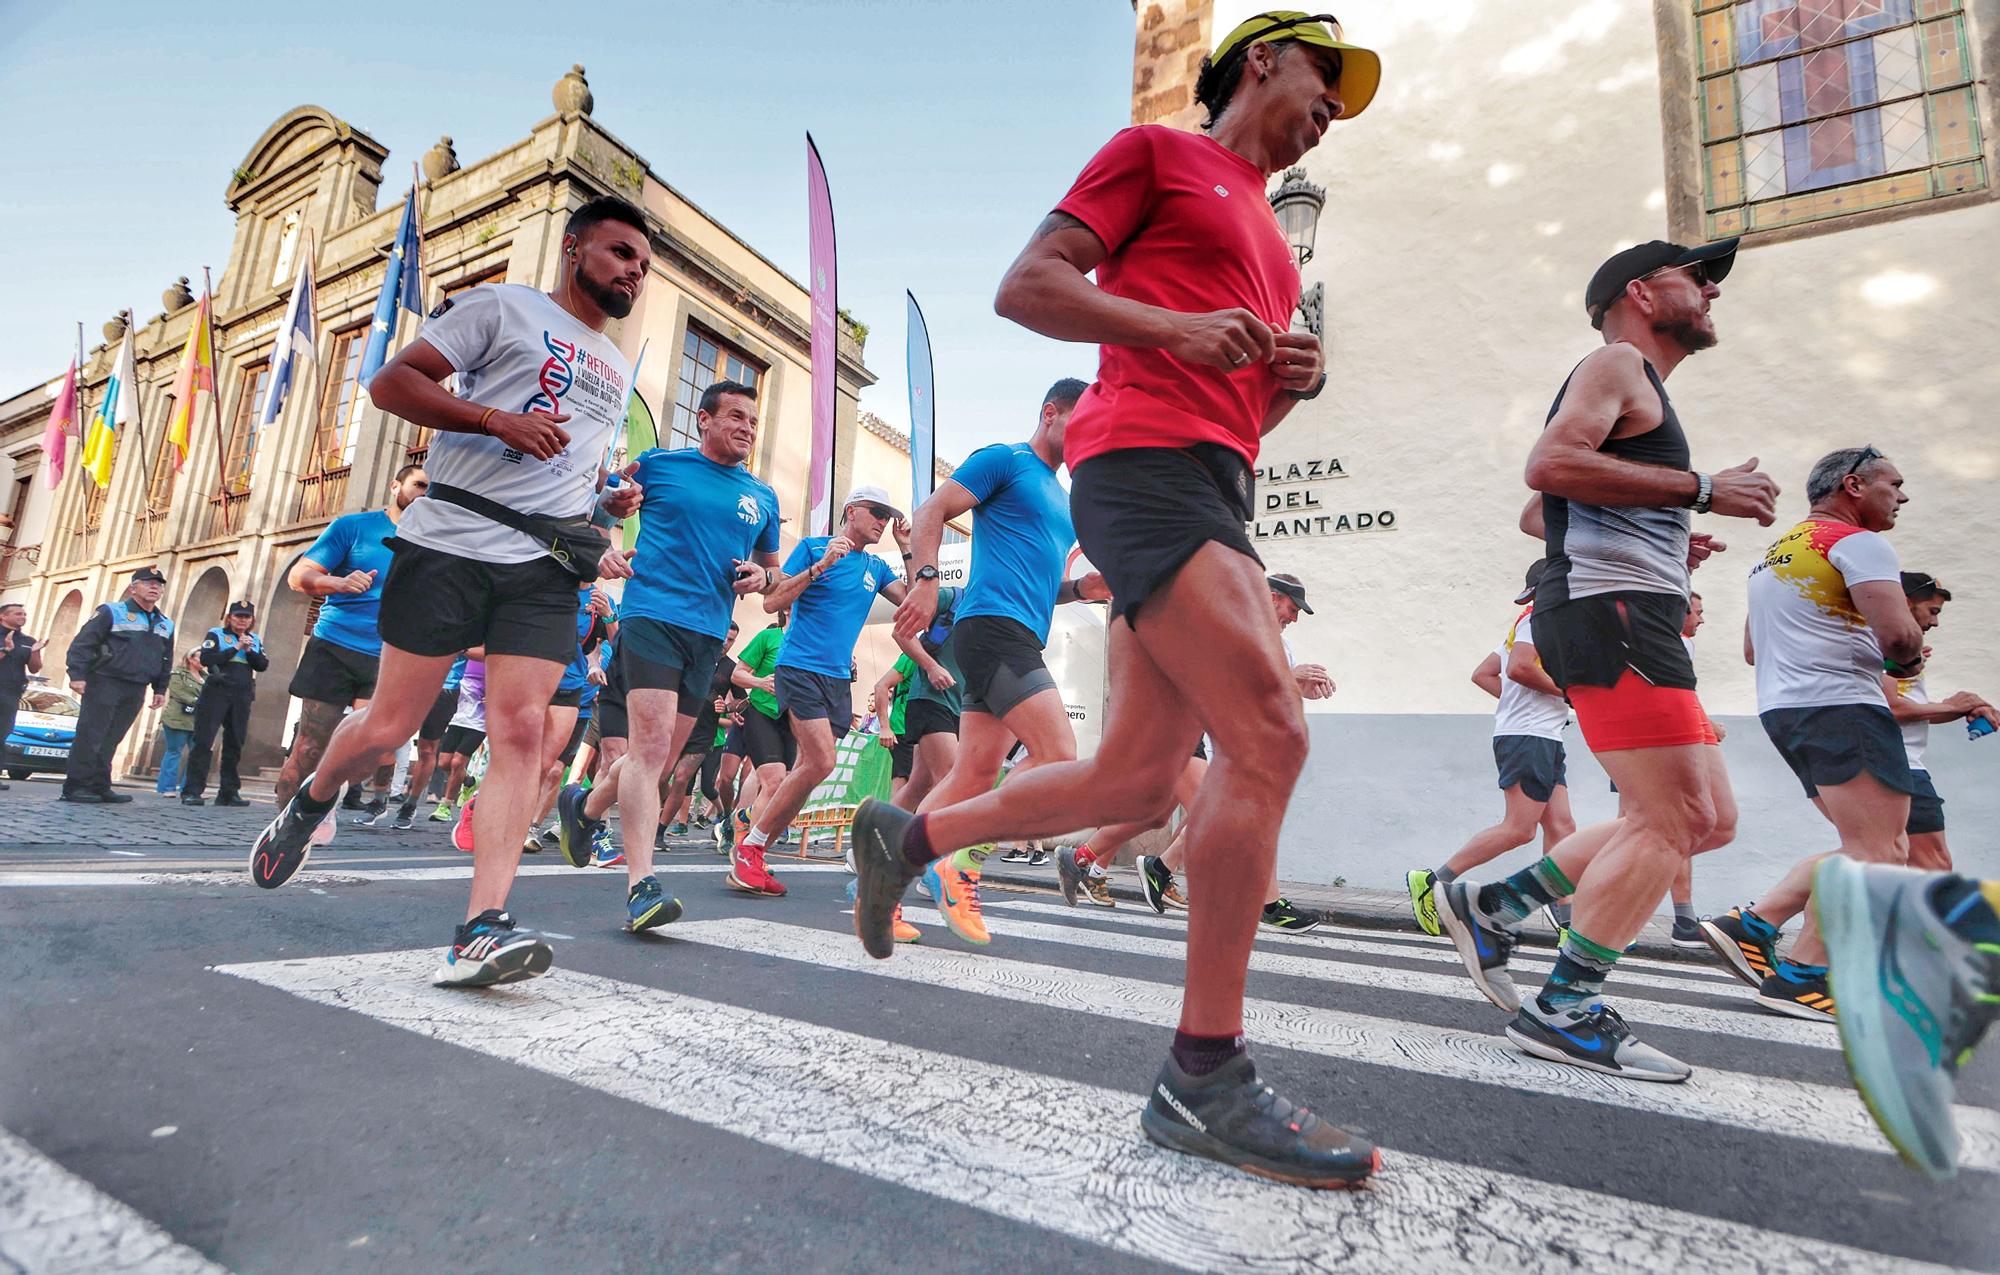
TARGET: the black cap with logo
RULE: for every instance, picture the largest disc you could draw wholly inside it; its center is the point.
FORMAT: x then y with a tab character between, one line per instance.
242	607
1536	570
1608	284
145	575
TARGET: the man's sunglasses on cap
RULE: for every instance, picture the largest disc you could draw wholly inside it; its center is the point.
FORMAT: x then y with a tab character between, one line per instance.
1281	24
1868	453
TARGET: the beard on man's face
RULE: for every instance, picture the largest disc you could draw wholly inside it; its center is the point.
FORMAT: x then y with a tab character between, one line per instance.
1685	330
605	297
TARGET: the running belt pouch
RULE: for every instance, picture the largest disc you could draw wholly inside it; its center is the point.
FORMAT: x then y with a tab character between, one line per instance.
574	543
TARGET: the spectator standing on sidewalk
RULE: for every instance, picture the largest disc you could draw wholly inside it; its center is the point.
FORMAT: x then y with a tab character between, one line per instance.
126	647
177	722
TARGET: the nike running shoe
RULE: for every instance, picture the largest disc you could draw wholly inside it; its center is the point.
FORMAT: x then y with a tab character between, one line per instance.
1594	1038
648	907
1423	902
1687	933
1015	854
489	950
286	842
881	874
444	813
955	890
461	832
406	819
574	830
1097	889
1037	856
1798	991
604	853
1283	914
1069	874
1231	1116
1749	957
748	873
1482	945
1155	879
1915	999
902	931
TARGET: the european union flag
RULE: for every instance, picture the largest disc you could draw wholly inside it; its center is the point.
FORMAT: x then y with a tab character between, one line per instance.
402	288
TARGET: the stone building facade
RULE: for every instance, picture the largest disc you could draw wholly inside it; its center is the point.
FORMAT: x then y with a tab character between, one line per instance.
231	522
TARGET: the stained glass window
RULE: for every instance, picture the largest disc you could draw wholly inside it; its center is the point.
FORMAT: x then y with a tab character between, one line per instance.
1817	108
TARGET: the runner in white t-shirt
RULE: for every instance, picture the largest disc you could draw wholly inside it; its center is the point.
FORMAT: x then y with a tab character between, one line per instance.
1910	702
1528	724
1826	608
493	555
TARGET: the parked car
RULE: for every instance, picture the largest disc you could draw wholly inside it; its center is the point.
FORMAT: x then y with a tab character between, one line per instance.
42	733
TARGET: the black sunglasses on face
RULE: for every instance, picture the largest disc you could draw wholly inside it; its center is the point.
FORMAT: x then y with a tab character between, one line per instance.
880	511
1697	271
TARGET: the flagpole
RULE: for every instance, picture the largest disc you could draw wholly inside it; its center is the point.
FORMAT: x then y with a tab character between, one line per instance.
81	428
215	400
138	417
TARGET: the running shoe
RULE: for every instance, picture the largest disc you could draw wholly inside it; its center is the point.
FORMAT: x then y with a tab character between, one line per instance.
881	874
373	816
719	833
955	890
748	873
1423	902
406	819
1594	1038
444	813
286	842
1283	914
660	838
1015	854
648	907
1557	915
1069	874
677	829
1749	957
1174	896
1799	991
1915	999
1155	879
1482	945
1231	1116
1038	857
1097	889
574	831
532	843
603	853
461	832
1687	933
488	950
902	931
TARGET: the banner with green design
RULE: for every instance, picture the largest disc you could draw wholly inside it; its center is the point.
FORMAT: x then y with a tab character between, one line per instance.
860	769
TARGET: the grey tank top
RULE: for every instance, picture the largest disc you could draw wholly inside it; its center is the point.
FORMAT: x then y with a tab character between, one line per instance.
1595	549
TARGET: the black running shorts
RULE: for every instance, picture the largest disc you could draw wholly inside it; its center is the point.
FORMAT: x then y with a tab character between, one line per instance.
923	717
463	740
1141	513
439	717
1592	641
811	696
436	603
335	674
903	757
1926	807
999	662
1832	743
768	740
1535	763
656	656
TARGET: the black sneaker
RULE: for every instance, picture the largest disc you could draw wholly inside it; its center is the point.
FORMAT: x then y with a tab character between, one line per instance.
1038	858
660	837
1155	880
1482	945
229	799
1231	1116
573	831
1798	993
190	799
1286	915
488	950
406	818
286	842
1594	1038
881	874
1744	952
1687	933
1069	874
1015	854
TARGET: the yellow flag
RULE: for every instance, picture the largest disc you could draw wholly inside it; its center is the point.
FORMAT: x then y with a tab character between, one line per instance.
197	373
119	408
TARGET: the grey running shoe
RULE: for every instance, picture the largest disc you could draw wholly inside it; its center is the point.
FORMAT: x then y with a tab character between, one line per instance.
1155	880
1231	1116
1687	933
406	819
881	874
1915	998
1594	1038
1482	945
1069	874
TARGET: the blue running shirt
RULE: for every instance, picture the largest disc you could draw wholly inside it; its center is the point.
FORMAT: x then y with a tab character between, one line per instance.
827	617
350	543
698	520
1021	535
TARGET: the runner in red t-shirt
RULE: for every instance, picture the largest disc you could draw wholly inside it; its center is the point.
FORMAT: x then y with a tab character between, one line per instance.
1194	295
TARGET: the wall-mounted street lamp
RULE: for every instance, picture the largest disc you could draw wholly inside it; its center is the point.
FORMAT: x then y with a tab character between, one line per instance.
1298	204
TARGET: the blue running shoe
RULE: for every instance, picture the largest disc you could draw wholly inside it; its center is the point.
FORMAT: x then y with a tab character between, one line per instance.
649	906
1915	995
1482	945
488	950
574	832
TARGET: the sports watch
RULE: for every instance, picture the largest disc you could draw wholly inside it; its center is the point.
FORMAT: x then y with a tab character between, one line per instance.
927	573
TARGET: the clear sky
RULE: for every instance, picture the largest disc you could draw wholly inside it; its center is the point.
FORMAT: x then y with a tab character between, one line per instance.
948	127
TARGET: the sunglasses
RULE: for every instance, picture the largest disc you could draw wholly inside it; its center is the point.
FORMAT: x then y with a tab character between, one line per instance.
1286	24
1697	271
880	511
1867	454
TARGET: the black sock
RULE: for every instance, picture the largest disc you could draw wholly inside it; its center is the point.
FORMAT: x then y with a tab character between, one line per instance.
917	843
1201	1055
1963	906
307	803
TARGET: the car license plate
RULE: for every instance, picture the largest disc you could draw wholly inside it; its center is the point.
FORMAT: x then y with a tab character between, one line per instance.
46	752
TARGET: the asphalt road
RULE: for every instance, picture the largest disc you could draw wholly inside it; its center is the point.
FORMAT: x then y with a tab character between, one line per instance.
197	1074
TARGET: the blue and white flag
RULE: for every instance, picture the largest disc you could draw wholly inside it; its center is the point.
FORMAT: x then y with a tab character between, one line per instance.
402	289
295	341
923	408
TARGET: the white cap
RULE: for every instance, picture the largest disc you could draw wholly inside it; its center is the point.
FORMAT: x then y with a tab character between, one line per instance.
869	494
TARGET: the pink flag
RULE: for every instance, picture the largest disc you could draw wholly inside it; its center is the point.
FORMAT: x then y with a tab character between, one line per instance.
61	428
825	359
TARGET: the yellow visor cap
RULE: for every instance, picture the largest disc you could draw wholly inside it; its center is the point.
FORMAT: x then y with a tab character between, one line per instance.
1360	69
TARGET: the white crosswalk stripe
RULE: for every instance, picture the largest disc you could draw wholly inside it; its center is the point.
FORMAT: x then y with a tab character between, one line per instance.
898	1114
53	1221
1748	1022
333	874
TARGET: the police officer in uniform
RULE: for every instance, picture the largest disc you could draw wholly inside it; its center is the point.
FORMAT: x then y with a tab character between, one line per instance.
124	648
233	656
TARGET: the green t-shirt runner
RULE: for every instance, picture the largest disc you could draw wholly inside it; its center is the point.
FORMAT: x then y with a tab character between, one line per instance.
906	668
760	657
920	686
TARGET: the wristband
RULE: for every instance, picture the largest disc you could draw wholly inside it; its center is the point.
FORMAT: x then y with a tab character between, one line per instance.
1704	494
1303	395
483	416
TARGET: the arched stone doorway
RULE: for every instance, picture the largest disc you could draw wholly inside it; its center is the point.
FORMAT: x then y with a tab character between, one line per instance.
283	620
61	631
202	611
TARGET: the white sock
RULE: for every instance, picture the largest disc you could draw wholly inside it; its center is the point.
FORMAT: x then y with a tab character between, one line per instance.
756	837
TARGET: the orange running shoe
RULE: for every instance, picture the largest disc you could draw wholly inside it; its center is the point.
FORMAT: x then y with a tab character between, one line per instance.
954	886
903	931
